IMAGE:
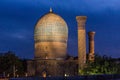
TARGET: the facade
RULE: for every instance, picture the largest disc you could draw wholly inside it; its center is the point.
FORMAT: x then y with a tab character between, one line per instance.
51	58
50	67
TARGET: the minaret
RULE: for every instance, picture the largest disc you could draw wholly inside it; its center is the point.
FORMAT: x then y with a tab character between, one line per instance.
91	46
81	20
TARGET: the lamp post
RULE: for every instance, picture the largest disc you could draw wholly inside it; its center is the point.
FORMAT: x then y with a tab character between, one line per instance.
14	71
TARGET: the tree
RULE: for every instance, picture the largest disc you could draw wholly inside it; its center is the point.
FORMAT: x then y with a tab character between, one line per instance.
8	61
101	65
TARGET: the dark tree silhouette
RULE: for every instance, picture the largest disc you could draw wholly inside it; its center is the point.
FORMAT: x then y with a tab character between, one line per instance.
9	61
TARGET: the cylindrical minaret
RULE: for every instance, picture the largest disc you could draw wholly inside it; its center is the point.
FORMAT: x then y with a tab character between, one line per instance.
91	35
81	20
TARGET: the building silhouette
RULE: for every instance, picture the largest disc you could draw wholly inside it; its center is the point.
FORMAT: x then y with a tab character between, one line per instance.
51	58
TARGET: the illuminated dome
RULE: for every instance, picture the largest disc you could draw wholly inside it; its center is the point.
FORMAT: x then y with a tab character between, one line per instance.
51	34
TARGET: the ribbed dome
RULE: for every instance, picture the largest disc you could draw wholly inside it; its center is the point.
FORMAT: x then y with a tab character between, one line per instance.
52	19
50	24
51	34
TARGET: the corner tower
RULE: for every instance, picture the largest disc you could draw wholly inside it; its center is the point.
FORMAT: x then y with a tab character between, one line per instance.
81	20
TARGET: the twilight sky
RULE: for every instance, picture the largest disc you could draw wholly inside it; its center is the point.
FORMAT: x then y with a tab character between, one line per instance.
18	18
